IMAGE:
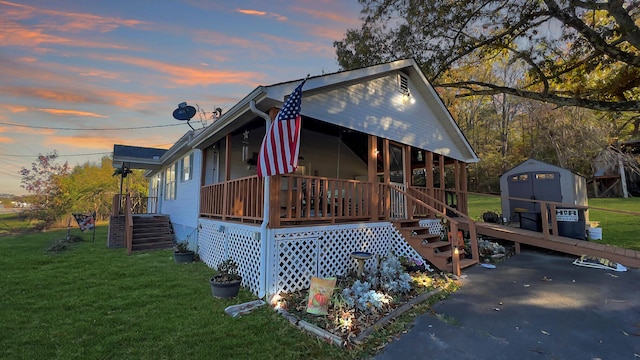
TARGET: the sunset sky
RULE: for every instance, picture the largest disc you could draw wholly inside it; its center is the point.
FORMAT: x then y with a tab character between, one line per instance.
79	76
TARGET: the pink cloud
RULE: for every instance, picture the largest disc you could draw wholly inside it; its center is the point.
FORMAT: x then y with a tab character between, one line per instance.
262	13
66	21
301	47
63	112
188	76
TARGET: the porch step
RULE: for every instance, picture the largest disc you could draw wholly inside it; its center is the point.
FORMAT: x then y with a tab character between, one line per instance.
447	253
152	233
436	244
430	246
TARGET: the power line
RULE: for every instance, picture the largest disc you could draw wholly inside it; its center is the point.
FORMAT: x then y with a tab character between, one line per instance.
61	155
95	129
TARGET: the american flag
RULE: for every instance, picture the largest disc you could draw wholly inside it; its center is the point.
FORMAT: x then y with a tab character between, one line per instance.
281	144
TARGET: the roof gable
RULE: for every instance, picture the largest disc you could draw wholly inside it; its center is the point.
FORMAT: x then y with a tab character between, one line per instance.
367	100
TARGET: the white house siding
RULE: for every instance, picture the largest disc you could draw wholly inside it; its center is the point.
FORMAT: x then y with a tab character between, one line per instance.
378	107
184	210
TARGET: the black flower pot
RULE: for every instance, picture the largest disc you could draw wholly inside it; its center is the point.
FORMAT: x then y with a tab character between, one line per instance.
224	290
184	256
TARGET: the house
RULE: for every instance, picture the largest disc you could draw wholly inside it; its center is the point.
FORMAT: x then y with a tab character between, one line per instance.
616	172
381	163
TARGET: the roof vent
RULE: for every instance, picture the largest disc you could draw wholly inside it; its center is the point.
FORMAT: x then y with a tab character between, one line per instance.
403	84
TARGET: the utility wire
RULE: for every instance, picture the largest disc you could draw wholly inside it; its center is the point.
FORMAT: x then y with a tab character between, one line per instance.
95	129
61	155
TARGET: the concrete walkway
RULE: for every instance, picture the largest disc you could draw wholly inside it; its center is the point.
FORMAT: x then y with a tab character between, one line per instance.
531	306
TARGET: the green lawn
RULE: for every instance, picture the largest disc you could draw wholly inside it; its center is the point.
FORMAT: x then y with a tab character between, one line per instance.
618	229
90	302
13	223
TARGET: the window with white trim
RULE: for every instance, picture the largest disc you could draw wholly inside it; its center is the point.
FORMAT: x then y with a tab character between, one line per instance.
170	182
186	168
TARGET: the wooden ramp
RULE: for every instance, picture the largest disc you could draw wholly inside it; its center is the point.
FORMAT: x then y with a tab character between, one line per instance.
626	257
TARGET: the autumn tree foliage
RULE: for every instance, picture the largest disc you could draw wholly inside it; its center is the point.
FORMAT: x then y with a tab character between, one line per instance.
57	190
577	53
42	181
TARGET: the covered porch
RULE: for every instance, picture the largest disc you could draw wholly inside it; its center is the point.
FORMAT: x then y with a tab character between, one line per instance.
361	179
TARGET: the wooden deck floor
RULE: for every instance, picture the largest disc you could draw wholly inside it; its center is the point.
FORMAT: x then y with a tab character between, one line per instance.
626	257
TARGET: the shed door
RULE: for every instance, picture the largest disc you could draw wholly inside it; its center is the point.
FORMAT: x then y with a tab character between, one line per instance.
537	185
546	186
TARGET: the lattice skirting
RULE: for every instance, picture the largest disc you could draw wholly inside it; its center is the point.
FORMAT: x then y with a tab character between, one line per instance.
289	257
218	241
435	225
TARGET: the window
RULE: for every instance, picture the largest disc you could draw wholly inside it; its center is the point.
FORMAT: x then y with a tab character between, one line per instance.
545	176
186	167
155	184
170	182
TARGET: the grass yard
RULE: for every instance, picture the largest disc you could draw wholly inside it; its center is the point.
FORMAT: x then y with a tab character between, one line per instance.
14	223
90	302
618	229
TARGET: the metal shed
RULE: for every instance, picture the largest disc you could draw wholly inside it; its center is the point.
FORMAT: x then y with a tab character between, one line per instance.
536	180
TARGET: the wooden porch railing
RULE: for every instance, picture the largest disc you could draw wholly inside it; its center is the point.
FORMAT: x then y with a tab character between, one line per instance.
123	204
137	204
311	199
452	198
299	199
239	199
419	199
128	224
548	220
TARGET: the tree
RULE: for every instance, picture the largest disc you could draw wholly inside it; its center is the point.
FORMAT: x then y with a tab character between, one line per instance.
91	186
42	180
581	53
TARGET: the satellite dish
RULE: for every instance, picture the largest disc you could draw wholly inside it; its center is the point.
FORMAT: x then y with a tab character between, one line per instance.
184	112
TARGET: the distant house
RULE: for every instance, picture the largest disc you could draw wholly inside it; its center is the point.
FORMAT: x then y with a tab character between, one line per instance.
616	172
380	158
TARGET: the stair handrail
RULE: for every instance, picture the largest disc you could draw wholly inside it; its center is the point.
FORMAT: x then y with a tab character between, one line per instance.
453	224
128	224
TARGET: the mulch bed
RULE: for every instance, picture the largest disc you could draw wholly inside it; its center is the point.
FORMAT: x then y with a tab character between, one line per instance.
350	324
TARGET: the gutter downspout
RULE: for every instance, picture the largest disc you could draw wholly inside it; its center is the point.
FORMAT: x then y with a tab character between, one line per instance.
265	210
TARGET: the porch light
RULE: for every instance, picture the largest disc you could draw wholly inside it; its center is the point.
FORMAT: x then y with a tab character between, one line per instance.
419	157
245	145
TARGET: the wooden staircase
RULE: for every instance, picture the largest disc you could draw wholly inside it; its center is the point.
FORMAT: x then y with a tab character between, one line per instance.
151	232
430	246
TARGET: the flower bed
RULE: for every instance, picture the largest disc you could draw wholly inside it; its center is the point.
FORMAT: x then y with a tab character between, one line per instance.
357	306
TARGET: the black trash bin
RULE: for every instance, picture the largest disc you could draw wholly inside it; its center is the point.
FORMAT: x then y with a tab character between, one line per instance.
571	223
530	220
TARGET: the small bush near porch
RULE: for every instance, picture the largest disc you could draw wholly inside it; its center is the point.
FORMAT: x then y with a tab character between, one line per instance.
91	302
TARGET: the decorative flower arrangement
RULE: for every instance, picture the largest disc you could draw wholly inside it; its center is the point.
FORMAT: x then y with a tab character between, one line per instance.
488	249
412	264
357	304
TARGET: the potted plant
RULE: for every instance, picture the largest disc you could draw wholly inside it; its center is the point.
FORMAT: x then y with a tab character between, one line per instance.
182	253
226	283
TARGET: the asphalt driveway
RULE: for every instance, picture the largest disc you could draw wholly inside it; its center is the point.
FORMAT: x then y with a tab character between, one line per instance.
534	305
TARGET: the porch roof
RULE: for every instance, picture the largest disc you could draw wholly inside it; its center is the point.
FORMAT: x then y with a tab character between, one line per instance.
137	157
345	99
